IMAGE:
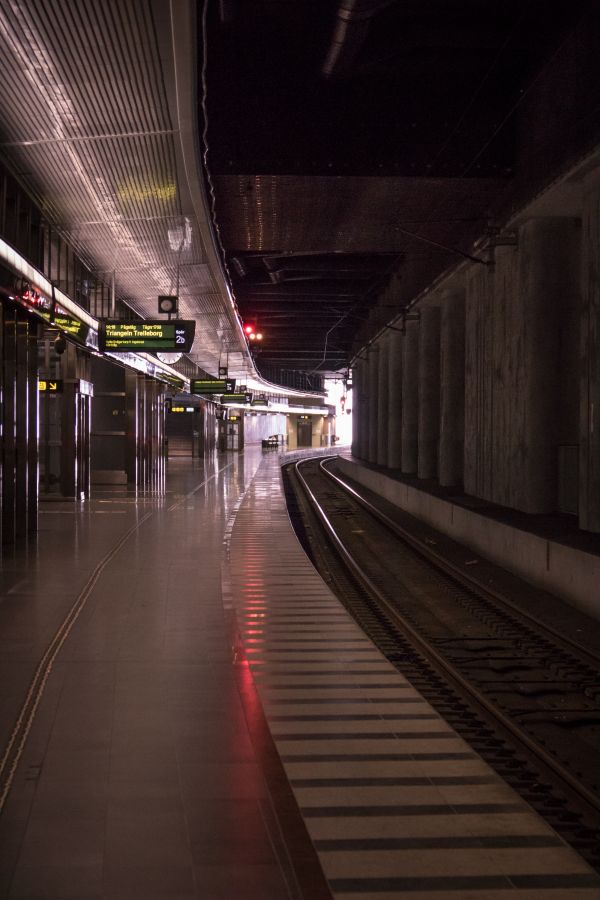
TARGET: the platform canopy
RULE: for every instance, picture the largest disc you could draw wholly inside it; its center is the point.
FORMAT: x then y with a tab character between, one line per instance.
100	124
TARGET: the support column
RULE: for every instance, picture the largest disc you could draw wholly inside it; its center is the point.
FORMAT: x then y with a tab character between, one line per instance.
19	424
382	400
364	421
131	426
394	430
356	412
22	428
410	398
452	388
589	410
548	272
429	392
373	357
360	390
8	411
481	361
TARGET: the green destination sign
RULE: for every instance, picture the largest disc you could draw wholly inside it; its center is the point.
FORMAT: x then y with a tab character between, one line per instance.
177	383
212	385
54	314
237	398
150	334
71	325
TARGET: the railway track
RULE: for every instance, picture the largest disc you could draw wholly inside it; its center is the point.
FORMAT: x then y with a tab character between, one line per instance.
525	697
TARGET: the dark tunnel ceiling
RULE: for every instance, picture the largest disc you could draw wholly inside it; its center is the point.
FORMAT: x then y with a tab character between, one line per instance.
336	128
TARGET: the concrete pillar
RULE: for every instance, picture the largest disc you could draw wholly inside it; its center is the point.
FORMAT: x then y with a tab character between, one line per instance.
394	430
516	366
429	392
410	398
452	388
355	409
589	408
482	365
548	268
131	426
382	400
373	391
363	423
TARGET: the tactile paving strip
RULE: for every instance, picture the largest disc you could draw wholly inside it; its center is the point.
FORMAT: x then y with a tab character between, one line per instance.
394	800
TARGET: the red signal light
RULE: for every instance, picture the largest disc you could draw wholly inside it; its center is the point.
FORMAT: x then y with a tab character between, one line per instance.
251	333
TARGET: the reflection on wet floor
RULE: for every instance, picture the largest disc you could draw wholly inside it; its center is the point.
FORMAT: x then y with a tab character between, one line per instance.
138	777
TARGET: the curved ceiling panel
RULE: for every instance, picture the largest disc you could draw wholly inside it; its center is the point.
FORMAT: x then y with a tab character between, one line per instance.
91	126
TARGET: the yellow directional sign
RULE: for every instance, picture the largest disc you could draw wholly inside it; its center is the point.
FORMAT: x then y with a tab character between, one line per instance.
50	387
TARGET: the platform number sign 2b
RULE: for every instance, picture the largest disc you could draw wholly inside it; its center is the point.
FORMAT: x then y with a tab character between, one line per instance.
118	336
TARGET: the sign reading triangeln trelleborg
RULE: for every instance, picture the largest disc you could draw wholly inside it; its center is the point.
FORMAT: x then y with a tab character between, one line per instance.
117	336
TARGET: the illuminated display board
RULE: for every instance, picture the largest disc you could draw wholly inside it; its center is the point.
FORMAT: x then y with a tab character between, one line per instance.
261	400
151	334
212	385
71	325
32	298
177	383
57	316
236	398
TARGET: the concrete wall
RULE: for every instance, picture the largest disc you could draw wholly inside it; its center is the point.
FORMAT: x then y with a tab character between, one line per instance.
514	371
262	425
373	401
394	429
428	424
589	417
494	386
479	367
410	398
452	388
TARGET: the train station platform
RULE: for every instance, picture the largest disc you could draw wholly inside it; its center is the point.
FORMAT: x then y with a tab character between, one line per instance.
189	712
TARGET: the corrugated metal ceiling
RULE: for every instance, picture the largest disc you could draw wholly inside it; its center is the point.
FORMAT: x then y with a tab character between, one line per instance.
87	119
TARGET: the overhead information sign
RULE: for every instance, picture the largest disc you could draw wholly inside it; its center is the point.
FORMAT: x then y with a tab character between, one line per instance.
212	385
237	398
50	387
151	334
71	325
54	314
177	383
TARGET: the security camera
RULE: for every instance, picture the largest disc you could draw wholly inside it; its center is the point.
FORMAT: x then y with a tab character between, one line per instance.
60	345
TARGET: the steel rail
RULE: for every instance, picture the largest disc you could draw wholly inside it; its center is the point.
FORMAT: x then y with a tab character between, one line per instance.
454	571
591	799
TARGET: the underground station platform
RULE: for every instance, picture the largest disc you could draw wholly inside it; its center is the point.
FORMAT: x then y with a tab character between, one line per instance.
189	712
